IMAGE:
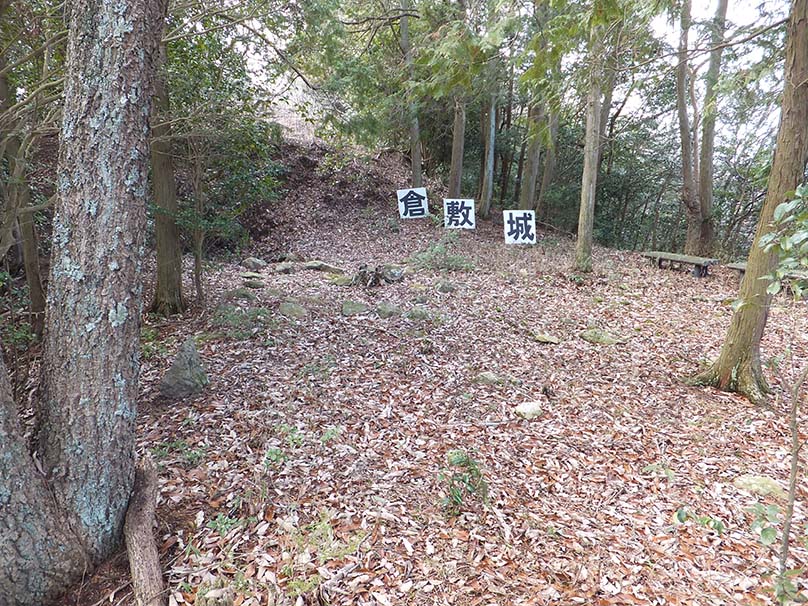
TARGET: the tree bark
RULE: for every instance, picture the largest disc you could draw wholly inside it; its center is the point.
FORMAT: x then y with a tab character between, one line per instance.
530	174
707	228
589	179
144	558
487	188
55	526
549	166
412	110
168	296
458	143
689	194
738	367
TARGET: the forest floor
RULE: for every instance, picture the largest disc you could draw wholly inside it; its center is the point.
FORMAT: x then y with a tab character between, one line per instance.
317	463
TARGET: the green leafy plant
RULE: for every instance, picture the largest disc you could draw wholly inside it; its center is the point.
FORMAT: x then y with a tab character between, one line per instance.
765	521
440	256
274	456
464	478
331	433
683	515
292	433
224	524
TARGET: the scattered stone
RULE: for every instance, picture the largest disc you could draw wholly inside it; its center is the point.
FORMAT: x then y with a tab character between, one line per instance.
340	280
353	308
380	275
290	309
253	263
254	284
186	376
387	310
529	410
323	266
760	485
238	294
418	313
599	337
217	593
445	287
251	275
543	338
291	256
488	378
285	268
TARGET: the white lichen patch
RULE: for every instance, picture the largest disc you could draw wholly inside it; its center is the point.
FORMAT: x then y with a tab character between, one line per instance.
118	315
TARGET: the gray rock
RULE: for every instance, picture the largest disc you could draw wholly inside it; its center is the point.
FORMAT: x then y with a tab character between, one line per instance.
285	268
392	273
387	310
418	313
761	485
599	337
254	284
340	280
529	410
353	308
238	294
446	287
489	378
323	266
290	309
186	376
251	275
253	263
291	256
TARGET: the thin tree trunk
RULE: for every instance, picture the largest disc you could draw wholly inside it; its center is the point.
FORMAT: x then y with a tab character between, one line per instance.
527	194
738	368
549	166
520	168
458	142
168	297
487	189
589	179
412	110
507	151
707	228
689	195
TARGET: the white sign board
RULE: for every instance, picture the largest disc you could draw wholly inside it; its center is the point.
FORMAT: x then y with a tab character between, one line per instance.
412	203
520	226
458	213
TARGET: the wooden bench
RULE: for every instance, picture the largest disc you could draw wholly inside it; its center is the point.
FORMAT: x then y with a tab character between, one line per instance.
700	264
740	267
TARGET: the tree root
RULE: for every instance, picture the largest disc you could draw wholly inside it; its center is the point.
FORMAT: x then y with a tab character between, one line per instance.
743	378
144	559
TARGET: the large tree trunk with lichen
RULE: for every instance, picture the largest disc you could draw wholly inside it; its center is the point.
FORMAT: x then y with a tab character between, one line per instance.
57	524
168	296
589	178
738	368
707	228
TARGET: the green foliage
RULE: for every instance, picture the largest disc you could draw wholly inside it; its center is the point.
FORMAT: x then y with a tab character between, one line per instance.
765	521
439	256
274	456
789	241
683	515
330	434
243	323
464	478
150	344
223	524
190	457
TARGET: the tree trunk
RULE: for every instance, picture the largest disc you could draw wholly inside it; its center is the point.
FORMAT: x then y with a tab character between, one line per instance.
527	193
549	166
168	297
458	143
738	368
689	196
412	110
707	229
487	189
589	179
52	534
